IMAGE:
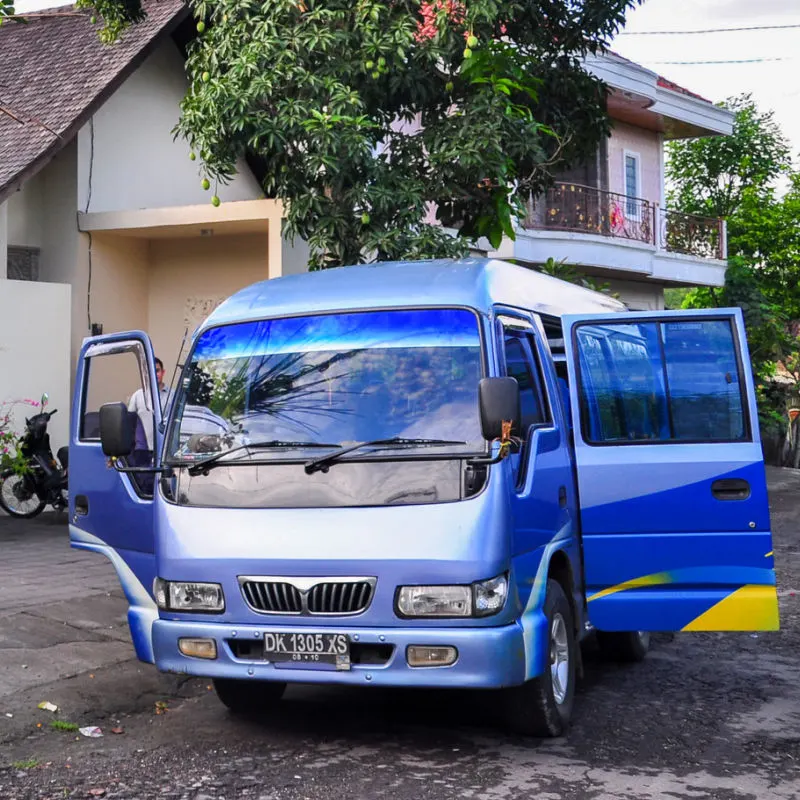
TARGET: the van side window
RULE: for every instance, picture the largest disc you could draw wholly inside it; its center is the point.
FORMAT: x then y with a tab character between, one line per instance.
520	366
660	382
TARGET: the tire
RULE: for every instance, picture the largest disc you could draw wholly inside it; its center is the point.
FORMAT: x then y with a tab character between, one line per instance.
543	706
248	697
626	647
7	499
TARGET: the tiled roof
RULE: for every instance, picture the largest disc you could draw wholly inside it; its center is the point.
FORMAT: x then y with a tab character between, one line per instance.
55	73
663	82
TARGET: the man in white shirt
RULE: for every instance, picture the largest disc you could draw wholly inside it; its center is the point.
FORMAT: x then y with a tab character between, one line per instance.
138	404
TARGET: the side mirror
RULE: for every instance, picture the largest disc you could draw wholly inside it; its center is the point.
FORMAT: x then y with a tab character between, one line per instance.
116	430
45	399
499	402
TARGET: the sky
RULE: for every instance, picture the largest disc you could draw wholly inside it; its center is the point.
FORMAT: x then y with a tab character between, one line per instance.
771	83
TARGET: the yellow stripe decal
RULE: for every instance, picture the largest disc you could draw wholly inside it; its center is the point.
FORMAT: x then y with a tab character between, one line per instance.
769	554
750	608
656	579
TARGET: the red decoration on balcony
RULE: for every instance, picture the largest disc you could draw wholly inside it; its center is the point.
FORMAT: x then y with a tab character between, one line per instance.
616	217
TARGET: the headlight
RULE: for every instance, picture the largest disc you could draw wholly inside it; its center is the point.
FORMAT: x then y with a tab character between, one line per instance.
481	599
434	601
490	596
188	596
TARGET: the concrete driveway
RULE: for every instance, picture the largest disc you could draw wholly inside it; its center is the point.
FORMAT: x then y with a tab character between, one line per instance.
706	716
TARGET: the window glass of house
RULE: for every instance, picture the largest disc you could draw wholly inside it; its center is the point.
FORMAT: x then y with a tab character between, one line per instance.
632	185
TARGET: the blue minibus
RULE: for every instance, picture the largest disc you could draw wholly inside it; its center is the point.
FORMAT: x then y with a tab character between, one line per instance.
441	474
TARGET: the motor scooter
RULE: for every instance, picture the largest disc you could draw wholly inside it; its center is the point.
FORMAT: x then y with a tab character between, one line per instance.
45	478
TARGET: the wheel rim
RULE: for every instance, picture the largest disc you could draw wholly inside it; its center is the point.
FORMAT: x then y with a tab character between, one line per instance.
16	498
559	658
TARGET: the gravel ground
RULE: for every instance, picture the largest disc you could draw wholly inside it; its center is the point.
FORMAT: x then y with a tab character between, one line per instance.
705	716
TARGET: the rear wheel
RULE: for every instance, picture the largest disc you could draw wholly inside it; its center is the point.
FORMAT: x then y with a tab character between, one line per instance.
18	498
249	697
543	706
624	646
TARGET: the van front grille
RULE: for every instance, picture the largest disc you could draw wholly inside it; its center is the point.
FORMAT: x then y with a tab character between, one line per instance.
273	598
308	596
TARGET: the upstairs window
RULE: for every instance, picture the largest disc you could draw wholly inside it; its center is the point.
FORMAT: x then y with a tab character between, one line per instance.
632	185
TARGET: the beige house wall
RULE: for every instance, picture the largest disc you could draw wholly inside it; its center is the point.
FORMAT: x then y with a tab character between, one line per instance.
190	277
647	145
120	286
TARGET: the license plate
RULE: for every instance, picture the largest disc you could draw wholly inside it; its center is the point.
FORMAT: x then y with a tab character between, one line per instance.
308	648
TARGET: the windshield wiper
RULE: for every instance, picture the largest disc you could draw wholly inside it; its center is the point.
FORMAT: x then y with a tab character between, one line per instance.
324	462
221	458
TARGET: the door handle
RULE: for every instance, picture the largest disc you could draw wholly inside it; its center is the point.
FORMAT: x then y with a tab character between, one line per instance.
562	496
731	489
81	505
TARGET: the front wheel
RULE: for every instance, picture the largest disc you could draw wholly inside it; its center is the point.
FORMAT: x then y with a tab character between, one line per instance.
18	498
543	706
248	697
624	646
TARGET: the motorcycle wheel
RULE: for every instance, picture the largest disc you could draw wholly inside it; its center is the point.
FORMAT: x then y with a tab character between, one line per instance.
17	502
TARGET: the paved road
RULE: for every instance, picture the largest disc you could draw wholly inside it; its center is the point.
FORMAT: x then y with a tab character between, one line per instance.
706	716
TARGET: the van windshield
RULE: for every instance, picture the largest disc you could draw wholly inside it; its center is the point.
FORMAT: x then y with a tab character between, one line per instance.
328	381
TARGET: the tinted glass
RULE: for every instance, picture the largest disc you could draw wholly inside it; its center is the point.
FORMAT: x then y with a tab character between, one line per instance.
117	378
518	366
704	383
332	379
673	381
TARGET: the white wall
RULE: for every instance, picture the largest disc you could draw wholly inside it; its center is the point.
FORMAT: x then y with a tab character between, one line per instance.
61	259
137	164
637	295
294	256
3	239
35	358
25	217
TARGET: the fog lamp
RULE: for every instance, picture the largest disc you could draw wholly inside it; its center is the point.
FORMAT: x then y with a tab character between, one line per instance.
198	648
419	656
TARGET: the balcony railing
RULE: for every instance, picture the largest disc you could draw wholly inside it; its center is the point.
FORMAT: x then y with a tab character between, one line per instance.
585	209
692	235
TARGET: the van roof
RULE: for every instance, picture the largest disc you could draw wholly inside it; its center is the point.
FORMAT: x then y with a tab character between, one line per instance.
472	282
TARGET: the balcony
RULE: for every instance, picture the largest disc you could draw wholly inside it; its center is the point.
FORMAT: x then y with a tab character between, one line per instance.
572	208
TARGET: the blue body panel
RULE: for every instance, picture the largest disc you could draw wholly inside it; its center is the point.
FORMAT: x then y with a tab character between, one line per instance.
119	523
661	551
645	522
488	658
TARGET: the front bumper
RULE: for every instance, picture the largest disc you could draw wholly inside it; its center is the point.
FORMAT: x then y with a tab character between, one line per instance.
488	658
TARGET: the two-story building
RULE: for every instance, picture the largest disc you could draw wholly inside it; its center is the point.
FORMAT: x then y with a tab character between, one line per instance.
104	225
610	217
